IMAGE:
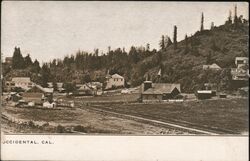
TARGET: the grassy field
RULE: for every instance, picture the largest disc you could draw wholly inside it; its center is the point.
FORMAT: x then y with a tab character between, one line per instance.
227	116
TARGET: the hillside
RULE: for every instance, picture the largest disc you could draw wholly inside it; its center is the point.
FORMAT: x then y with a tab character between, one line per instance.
184	65
181	65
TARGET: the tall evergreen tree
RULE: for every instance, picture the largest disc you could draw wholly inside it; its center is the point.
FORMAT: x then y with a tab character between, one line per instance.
202	21
186	44
148	47
162	43
230	17
235	16
175	37
27	61
17	59
45	74
212	25
36	67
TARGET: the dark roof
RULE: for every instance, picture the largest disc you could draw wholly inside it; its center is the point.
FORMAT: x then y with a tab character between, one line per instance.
161	88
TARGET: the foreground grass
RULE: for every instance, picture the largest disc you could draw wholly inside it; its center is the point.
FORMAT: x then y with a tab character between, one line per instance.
228	115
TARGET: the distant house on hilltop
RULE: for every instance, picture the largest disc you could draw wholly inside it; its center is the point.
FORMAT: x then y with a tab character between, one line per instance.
214	66
114	80
241	61
159	91
241	72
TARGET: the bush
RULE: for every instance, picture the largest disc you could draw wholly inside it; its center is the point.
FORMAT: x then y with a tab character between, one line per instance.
60	129
31	124
80	128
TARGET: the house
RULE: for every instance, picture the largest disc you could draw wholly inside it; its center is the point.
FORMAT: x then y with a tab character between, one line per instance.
241	61
84	90
241	72
38	94
159	91
23	82
114	81
49	105
59	86
214	66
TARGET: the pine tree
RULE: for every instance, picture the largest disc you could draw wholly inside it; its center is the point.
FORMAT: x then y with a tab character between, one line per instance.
55	85
175	37
36	67
27	61
17	59
202	21
45	74
212	25
235	16
230	17
162	43
186	44
148	47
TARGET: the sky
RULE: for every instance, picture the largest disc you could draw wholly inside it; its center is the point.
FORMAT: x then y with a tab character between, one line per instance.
51	29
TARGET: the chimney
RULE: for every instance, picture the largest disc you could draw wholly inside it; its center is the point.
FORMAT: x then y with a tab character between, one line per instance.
147	85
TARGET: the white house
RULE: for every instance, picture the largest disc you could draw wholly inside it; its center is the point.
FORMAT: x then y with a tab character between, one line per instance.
115	80
241	72
49	105
241	61
23	82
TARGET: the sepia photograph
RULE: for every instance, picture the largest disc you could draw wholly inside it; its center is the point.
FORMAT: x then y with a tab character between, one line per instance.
125	68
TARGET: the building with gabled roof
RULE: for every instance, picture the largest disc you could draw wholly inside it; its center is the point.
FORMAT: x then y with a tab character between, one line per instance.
22	82
241	61
114	81
159	91
38	94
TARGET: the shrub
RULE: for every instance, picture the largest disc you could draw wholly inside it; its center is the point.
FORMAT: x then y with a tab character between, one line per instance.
60	129
80	128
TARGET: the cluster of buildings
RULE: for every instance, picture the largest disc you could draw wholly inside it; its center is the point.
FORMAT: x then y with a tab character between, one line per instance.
33	94
149	91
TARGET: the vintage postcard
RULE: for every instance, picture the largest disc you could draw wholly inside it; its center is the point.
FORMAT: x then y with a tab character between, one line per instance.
130	72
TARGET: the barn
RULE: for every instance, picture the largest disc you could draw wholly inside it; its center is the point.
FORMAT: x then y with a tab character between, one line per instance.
159	91
38	94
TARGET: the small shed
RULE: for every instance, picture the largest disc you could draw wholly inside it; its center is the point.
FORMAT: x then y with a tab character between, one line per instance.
49	105
204	94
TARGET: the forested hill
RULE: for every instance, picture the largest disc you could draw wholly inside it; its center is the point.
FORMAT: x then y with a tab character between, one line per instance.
180	62
219	45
